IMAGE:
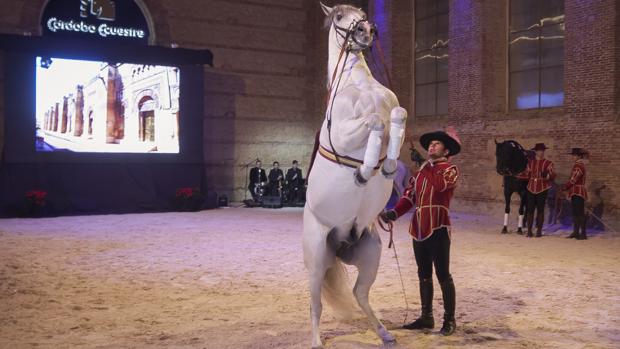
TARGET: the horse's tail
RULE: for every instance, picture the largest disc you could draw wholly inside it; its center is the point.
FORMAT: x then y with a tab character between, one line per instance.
337	293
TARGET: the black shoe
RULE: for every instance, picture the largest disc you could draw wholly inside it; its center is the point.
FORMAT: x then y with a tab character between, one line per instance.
582	237
448	328
573	235
426	320
520	231
539	233
529	234
421	323
505	230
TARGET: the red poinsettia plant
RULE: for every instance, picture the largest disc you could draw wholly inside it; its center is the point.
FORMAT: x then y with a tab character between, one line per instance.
36	197
186	192
188	199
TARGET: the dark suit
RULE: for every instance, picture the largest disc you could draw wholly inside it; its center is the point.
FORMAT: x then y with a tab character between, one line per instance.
275	177
295	183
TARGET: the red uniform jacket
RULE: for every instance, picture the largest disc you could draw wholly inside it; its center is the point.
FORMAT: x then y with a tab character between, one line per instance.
576	185
537	171
430	190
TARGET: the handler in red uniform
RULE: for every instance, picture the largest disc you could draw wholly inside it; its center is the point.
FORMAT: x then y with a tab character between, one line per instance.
576	187
540	173
430	190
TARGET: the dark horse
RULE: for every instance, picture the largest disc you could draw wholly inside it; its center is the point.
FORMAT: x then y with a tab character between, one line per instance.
511	160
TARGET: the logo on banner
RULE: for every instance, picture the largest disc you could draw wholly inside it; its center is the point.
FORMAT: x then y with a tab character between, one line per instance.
102	9
107	19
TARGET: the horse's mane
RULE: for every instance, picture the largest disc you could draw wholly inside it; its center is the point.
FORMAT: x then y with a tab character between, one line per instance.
511	157
340	9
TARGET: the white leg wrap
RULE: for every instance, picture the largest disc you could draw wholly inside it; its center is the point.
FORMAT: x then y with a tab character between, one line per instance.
505	219
372	154
520	221
397	131
398	116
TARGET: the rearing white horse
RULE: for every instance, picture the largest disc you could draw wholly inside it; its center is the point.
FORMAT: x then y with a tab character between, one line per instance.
351	178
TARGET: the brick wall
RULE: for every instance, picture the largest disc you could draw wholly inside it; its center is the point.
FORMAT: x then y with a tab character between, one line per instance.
265	95
478	97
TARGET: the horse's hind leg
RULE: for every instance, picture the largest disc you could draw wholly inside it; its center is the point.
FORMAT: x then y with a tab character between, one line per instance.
317	260
398	116
522	209
368	255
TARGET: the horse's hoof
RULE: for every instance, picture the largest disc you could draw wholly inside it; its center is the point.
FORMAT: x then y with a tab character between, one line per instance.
520	231
505	230
389	168
389	343
386	337
360	181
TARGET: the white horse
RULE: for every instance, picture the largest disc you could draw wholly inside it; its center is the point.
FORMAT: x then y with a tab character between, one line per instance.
345	195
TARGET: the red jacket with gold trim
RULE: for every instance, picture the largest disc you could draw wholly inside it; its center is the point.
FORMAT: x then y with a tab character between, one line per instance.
540	174
430	190
576	185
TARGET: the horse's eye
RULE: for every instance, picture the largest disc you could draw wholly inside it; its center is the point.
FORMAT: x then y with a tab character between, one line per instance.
338	17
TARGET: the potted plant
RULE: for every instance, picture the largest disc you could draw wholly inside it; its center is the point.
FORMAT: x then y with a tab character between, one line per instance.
36	203
188	199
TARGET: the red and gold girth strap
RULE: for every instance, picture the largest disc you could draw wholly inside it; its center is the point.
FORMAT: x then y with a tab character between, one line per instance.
343	159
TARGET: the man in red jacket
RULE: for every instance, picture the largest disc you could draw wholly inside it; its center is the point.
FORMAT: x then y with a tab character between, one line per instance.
576	187
541	174
430	191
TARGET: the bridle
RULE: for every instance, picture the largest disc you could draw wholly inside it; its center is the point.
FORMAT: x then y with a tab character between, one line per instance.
348	36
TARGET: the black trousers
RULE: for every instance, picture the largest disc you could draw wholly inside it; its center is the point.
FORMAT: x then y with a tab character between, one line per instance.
578	205
536	202
433	251
251	188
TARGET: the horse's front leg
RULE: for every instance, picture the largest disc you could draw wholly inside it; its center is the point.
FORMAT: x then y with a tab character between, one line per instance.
398	118
373	149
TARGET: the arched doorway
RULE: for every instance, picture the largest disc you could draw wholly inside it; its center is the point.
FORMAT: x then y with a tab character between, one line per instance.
146	126
90	123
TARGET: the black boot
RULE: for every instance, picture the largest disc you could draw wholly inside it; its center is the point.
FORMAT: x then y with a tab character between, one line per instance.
449	304
576	226
540	219
583	235
530	224
426	320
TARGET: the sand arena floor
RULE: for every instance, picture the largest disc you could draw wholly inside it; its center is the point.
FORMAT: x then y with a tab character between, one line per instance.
234	278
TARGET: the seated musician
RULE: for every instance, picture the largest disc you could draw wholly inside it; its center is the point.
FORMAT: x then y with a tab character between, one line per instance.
275	179
295	183
258	178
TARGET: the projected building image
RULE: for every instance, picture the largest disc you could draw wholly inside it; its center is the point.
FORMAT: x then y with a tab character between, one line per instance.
87	106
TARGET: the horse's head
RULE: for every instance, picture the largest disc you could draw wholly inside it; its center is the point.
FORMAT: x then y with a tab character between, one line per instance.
350	26
510	157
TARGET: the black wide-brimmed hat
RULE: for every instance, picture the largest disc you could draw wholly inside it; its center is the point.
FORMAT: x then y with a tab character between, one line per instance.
540	146
578	151
451	142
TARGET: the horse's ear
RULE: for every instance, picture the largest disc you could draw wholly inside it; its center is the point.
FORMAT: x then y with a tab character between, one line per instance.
326	9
